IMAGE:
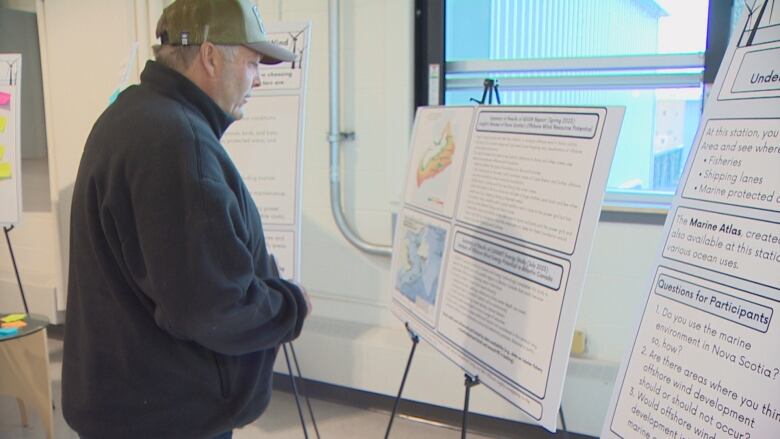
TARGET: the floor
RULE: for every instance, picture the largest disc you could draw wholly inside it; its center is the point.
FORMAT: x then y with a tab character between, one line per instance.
280	421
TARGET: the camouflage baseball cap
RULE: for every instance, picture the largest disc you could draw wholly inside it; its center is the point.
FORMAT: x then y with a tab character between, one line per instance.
227	22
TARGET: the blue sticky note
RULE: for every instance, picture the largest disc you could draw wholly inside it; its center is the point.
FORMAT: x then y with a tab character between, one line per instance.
5	332
113	96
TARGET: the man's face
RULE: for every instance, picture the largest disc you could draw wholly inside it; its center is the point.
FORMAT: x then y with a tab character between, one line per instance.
237	78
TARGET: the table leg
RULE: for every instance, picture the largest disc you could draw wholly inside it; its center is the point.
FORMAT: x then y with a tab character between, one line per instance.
25	365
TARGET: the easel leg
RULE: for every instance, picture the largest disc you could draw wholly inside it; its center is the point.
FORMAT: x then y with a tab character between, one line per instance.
303	390
16	270
469	383
563	422
415	339
295	391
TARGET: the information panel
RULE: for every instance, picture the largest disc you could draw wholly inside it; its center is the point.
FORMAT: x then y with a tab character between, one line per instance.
10	139
705	358
492	243
267	146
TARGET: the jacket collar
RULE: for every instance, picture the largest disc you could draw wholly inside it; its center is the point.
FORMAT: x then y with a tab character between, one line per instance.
175	85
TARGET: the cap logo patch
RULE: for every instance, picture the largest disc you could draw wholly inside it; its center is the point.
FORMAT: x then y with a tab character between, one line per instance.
259	19
185	38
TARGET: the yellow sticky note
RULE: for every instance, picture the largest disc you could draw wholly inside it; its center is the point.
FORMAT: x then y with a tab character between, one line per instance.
3	122
2	151
13	318
5	171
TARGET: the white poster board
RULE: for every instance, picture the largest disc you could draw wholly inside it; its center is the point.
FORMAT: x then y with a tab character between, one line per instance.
267	146
492	242
10	139
705	358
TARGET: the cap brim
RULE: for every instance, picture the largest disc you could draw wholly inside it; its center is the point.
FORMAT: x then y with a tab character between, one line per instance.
272	53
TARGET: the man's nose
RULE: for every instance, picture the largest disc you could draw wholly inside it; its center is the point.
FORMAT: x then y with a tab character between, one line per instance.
256	79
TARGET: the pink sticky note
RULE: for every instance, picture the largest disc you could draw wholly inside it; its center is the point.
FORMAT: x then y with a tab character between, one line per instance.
5	98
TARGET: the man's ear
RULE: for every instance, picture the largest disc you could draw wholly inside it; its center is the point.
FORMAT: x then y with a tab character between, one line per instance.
209	58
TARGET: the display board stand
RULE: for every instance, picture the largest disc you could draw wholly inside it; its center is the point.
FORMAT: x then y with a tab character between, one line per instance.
490	86
10	152
303	390
293	384
415	340
16	269
563	422
470	381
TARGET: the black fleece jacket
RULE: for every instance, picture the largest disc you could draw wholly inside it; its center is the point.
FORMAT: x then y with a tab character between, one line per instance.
174	316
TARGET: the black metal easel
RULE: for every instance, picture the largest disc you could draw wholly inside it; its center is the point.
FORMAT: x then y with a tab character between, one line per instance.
490	86
563	422
293	384
16	270
303	390
470	382
415	340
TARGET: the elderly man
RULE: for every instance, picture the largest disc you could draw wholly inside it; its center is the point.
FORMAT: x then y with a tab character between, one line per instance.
174	312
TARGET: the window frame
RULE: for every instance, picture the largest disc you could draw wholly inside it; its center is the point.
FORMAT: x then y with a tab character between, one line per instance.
434	76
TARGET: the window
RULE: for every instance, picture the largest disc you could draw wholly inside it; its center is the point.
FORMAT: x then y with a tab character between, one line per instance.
646	55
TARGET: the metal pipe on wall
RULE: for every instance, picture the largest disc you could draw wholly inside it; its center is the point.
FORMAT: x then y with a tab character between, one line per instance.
334	138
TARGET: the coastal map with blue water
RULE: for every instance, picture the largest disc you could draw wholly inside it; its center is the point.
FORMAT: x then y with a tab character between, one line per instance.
417	276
